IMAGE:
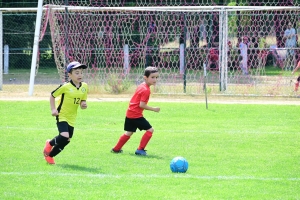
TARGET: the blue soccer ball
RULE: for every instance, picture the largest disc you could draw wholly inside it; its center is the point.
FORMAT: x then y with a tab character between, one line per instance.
179	165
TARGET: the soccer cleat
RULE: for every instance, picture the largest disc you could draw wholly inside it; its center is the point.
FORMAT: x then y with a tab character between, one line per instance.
140	152
50	160
114	151
47	148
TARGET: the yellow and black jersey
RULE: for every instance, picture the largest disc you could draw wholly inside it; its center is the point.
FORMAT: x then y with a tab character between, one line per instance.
70	98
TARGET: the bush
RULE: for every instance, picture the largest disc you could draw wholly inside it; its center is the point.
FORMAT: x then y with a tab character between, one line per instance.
117	83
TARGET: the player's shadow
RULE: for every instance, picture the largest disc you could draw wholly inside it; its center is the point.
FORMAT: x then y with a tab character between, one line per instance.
148	156
79	168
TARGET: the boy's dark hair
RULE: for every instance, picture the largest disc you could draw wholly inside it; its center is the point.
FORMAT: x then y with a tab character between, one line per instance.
150	70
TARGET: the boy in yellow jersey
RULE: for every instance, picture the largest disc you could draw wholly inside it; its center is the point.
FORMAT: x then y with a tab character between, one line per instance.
72	94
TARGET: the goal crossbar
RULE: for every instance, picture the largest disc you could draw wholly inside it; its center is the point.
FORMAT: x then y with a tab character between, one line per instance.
176	8
162	8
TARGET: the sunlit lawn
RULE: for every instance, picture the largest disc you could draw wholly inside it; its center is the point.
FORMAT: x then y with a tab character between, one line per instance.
234	152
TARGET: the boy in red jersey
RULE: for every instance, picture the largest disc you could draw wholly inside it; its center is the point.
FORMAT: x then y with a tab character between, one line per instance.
134	115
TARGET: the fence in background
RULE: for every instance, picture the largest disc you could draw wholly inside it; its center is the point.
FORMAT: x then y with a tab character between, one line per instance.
178	43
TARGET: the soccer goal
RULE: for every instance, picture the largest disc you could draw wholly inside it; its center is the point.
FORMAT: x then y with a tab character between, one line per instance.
117	43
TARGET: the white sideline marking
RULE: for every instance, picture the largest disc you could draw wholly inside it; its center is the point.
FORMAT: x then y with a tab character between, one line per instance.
161	130
151	176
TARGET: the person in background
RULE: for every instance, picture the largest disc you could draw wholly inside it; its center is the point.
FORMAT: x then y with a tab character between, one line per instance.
243	47
262	55
290	43
253	51
202	29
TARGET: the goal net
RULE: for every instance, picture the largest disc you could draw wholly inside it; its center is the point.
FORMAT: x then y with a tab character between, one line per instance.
241	48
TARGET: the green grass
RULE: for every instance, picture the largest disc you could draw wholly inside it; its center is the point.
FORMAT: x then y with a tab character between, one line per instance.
234	152
276	71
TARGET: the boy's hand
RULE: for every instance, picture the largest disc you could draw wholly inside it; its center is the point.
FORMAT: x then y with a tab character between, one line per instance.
83	105
54	112
156	109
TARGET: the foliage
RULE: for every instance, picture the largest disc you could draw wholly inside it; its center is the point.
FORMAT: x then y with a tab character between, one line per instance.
117	83
18	4
19	36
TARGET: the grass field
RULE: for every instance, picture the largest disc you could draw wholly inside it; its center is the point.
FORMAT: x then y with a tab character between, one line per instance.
240	151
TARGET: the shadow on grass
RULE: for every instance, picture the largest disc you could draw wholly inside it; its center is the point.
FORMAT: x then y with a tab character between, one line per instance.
147	157
79	168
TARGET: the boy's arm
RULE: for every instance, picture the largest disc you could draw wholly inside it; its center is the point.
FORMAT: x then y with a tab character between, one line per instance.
284	36
54	111
293	33
83	104
146	107
298	66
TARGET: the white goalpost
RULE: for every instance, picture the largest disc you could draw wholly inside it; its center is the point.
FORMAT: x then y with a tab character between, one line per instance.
35	46
4	50
1	51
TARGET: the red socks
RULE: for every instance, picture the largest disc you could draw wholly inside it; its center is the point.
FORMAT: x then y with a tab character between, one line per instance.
145	139
123	139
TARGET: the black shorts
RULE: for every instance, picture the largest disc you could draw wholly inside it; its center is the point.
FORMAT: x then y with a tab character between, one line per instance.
65	127
139	123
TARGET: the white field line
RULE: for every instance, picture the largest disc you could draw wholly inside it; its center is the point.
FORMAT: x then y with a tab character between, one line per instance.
163	131
155	176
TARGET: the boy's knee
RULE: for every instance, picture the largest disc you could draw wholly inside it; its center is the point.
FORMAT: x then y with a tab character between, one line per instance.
150	130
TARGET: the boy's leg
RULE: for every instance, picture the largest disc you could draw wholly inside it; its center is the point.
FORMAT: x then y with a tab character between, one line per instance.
58	148
297	84
47	148
258	69
57	144
130	127
144	125
286	60
58	140
50	160
145	139
122	140
244	65
294	62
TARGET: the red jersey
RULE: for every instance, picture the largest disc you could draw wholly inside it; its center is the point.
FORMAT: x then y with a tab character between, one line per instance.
142	93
